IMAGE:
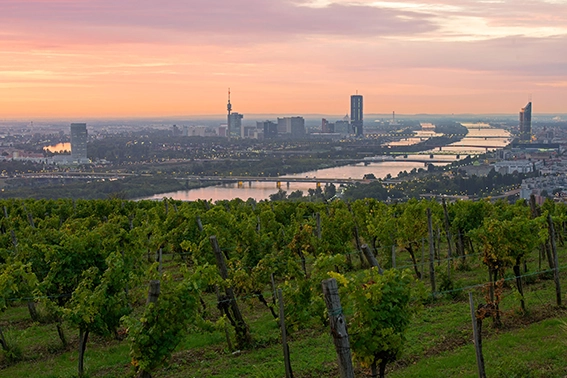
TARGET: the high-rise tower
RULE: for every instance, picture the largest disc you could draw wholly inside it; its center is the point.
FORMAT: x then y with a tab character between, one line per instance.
229	109
79	143
526	123
356	114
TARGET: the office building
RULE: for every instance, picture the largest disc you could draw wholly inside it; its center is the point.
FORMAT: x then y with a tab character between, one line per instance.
343	126
248	132
79	143
327	127
526	123
520	166
269	128
294	126
356	114
203	131
235	121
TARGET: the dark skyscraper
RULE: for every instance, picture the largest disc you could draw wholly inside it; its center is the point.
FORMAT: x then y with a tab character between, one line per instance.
235	121
526	123
270	129
356	114
294	126
79	143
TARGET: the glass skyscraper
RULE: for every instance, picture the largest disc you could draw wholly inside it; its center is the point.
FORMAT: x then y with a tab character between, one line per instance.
526	123
79	143
356	114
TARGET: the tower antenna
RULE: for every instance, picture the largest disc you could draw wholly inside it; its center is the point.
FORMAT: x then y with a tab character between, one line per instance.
229	109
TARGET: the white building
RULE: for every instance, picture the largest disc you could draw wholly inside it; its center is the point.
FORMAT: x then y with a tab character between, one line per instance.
202	131
519	166
536	185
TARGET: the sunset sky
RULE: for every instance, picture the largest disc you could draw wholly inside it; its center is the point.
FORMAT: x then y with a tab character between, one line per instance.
99	58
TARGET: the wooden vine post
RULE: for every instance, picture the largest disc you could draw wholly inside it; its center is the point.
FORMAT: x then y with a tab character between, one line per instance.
338	327
371	258
476	324
357	241
422	258
545	249
199	224
448	234
555	260
394	256
229	305
153	292
431	253
153	296
356	235
287	362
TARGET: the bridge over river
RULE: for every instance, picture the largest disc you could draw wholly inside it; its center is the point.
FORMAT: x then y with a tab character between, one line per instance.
242	180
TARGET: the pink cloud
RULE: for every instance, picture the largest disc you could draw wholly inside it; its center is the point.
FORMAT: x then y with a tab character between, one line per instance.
237	22
174	56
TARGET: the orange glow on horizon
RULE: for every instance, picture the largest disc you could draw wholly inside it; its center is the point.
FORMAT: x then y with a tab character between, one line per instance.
76	59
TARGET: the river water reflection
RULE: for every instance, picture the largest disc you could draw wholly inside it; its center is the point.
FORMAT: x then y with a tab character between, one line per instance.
262	190
59	147
480	139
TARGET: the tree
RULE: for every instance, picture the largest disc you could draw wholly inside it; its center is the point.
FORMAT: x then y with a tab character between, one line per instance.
505	244
330	190
382	307
16	280
412	227
156	333
98	303
295	195
279	195
382	226
466	217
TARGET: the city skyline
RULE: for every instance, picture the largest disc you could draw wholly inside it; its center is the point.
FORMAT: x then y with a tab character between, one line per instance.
83	59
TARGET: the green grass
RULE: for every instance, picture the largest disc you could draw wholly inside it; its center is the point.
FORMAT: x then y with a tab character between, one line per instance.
538	350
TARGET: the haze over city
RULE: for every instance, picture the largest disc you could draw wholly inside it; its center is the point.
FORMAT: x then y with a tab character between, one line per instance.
147	58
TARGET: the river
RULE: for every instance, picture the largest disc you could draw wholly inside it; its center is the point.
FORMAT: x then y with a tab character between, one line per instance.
479	139
59	147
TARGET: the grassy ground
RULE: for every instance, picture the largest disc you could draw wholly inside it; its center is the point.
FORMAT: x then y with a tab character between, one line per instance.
530	344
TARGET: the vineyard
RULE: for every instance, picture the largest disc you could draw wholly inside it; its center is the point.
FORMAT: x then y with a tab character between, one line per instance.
114	288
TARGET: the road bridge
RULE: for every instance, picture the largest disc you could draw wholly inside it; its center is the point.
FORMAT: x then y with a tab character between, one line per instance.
74	176
425	137
278	180
486	147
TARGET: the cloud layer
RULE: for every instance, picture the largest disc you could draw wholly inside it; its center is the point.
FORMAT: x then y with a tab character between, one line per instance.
137	57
